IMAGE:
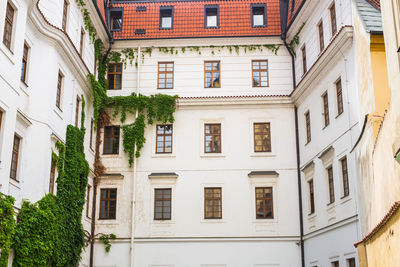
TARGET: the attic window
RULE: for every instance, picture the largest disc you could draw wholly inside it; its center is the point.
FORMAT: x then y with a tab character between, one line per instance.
166	17
116	20
211	17
258	15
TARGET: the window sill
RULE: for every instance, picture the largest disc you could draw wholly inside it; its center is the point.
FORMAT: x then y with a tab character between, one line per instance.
345	199
24	87
259	26
326	126
161	28
166	155
58	112
212	221
107	222
262	154
312	216
165	88
110	156
212	87
330	207
307	143
212	155
265	221
8	53
15	183
338	115
163	222
211	27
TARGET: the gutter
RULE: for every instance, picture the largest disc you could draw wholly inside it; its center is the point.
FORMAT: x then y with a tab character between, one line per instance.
284	8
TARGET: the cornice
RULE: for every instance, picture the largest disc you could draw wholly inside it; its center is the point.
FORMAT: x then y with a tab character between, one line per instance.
62	40
342	40
234	101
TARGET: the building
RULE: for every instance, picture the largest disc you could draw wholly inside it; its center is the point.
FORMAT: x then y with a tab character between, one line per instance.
261	166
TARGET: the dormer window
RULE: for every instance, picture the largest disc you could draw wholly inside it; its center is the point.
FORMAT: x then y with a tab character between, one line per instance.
166	17
116	20
258	15
211	14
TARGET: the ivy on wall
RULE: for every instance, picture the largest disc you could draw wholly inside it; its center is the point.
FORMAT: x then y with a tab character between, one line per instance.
295	41
7	227
86	19
50	232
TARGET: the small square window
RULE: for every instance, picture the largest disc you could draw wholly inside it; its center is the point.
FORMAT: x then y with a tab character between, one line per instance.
116	20
258	15
166	17
211	17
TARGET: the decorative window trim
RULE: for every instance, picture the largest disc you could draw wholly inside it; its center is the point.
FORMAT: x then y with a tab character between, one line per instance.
115	12
104	137
274	147
162	8
116	204
266	182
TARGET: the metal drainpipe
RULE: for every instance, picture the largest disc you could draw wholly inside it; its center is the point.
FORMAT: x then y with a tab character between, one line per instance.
95	182
133	202
297	158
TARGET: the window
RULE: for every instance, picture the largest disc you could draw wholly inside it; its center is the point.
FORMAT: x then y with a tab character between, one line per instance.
260	73
8	26
264	203
59	89
114	76
212	74
24	65
78	103
326	108
345	177
332	12
351	262
335	264
116	20
321	36
164	139
108	204
88	201
15	157
82	42
211	19
308	127
258	15
52	175
212	203
111	140
212	138
304	58
91	134
166	17
162	204
339	96
262	137
311	190
165	75
65	15
331	186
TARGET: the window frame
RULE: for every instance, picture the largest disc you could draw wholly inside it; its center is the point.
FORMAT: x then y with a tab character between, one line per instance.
213	199
252	6
165	72
325	108
60	85
321	36
307	120
16	152
345	176
311	195
210	134
108	199
115	12
259	71
304	58
64	21
166	8
114	73
25	57
269	148
332	15
111	137
265	199
164	135
8	35
53	170
212	72
163	200
339	96
331	184
205	16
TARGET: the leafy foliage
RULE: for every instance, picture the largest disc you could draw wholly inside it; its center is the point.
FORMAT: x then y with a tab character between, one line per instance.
295	40
7	227
87	21
106	241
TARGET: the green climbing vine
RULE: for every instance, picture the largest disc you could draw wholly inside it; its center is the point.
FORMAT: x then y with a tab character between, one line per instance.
7	227
295	40
50	232
86	19
106	241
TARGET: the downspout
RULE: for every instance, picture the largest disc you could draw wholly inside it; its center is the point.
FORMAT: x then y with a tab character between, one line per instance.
133	202
95	182
284	14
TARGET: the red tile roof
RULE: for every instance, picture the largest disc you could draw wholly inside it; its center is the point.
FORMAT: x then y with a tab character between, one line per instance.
375	3
294	7
188	19
100	6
